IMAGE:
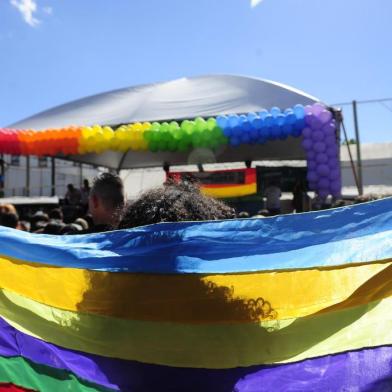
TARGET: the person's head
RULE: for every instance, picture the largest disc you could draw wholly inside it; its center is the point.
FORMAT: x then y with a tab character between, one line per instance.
86	184
56	214
70	187
8	208
9	219
106	199
53	227
243	214
174	202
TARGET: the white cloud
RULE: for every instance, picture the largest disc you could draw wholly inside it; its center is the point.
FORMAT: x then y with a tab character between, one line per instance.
27	8
254	3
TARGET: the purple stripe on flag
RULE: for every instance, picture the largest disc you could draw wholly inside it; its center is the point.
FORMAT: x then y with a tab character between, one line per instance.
364	370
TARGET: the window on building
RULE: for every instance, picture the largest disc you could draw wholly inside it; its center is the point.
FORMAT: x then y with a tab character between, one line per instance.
15	160
42	162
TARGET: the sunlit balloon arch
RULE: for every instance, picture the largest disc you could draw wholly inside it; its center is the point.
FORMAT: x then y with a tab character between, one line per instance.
314	123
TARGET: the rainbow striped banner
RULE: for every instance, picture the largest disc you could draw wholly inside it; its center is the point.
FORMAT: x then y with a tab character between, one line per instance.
298	302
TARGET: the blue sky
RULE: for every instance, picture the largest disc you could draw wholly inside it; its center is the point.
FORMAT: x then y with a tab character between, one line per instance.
56	51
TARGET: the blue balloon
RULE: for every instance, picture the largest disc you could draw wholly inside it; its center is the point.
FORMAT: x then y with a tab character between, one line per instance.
234	141
227	132
263	114
288	111
299	111
254	134
265	132
245	138
300	124
222	122
275	111
275	132
296	132
269	120
291	118
257	123
236	131
252	116
234	121
287	130
246	126
280	119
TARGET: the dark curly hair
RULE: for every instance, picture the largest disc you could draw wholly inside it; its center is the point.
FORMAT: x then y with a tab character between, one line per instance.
174	202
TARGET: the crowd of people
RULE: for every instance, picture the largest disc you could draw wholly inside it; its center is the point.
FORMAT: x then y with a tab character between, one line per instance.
102	207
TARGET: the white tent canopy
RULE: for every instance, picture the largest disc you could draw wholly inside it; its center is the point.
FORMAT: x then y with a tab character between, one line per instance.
184	98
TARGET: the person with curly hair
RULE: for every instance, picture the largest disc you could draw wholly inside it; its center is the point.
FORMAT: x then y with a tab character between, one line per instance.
174	202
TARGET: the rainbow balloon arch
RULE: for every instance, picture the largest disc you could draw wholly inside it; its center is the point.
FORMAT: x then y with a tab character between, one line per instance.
314	123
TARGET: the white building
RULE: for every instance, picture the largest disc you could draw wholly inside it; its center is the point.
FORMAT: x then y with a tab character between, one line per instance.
41	176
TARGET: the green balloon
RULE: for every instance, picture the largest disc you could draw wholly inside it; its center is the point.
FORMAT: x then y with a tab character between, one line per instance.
211	123
183	146
200	124
174	126
165	127
147	135
153	146
155	126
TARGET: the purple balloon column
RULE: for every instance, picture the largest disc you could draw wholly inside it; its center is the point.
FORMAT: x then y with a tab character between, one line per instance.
322	151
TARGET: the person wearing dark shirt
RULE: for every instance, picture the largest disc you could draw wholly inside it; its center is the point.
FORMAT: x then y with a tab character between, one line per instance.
106	201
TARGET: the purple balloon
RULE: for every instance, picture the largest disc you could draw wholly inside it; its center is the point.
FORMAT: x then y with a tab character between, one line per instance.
323	183
321	158
329	130
325	116
334	174
312	185
323	193
308	109
312	165
333	164
317	108
332	152
307	132
319	147
330	141
312	176
310	155
309	119
317	136
336	186
322	170
307	144
316	123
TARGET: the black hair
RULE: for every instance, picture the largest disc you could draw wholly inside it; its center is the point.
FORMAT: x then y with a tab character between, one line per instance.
56	213
109	189
174	202
9	219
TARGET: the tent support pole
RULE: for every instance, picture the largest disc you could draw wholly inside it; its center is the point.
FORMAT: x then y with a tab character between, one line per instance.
358	144
53	176
121	161
27	191
351	157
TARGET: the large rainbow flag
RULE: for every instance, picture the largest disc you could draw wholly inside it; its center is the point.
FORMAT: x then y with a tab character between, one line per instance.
292	303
